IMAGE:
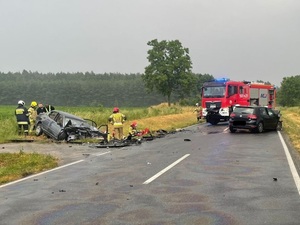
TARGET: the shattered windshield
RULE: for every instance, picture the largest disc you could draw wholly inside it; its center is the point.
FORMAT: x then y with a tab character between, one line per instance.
214	92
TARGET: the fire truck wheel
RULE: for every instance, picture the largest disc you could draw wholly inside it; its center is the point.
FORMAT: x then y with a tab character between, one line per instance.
260	127
214	121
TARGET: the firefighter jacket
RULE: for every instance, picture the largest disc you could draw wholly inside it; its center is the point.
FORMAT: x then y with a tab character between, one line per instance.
117	119
32	113
49	108
21	113
132	131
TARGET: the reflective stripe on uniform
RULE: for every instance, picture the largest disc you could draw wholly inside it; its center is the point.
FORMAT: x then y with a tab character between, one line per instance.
23	123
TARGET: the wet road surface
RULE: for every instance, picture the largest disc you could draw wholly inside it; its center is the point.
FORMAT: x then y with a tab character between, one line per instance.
202	175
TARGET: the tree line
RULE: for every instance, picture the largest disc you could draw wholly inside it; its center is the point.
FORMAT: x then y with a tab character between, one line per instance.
87	89
109	89
289	92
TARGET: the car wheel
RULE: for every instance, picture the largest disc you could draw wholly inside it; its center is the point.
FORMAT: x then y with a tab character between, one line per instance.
260	127
62	136
214	121
38	130
279	125
232	130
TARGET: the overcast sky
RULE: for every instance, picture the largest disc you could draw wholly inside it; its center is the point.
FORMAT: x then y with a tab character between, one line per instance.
239	39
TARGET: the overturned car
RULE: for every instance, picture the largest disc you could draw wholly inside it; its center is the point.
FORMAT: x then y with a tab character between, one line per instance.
61	125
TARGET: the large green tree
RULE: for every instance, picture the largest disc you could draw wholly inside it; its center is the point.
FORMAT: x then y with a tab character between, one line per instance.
169	71
289	94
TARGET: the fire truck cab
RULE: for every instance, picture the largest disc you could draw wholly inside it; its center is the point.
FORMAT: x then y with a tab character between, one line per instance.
221	95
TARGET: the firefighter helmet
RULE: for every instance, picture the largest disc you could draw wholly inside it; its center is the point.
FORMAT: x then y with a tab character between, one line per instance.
116	109
33	104
134	124
21	102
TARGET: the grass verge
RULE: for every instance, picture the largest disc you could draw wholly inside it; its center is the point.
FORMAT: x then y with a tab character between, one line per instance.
15	166
291	124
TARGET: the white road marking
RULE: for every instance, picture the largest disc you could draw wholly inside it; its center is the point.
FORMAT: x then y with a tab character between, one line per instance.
291	163
48	171
165	170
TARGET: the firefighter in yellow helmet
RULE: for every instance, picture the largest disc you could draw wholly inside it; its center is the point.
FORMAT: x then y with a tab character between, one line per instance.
32	113
117	119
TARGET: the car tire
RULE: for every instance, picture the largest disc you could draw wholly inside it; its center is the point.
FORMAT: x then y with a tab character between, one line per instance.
279	126
38	130
232	130
62	136
260	127
214	121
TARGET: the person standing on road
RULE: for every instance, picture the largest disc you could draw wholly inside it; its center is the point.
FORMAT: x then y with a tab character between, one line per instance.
117	119
32	116
21	113
198	111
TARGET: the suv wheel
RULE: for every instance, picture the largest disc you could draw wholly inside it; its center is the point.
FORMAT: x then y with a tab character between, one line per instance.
38	130
260	127
232	130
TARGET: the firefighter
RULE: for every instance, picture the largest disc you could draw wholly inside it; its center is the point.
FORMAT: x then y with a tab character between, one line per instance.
21	113
49	108
132	132
32	112
198	111
117	119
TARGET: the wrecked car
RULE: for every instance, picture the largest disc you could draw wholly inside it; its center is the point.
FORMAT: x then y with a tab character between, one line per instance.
61	125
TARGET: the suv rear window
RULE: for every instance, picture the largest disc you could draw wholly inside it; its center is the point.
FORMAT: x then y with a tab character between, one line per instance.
244	110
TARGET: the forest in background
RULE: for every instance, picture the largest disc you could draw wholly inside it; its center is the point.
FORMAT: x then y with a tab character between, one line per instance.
108	90
86	89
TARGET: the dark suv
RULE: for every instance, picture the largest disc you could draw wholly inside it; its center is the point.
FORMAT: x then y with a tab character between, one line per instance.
254	118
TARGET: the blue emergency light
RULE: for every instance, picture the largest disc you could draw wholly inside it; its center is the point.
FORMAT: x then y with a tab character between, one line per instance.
221	79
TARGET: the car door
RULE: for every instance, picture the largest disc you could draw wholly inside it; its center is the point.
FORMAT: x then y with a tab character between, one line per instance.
267	120
54	127
273	118
47	122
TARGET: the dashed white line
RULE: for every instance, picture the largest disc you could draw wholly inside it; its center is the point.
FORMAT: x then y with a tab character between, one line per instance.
165	170
291	163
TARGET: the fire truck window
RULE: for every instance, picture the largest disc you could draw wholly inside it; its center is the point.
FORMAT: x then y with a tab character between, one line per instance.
241	90
232	90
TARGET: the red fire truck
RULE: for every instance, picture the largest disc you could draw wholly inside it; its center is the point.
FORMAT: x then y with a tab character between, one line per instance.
221	95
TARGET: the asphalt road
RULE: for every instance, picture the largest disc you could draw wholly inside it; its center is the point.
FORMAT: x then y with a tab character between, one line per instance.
202	175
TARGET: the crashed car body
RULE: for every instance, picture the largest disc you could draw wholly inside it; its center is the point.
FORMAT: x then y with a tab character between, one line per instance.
61	125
